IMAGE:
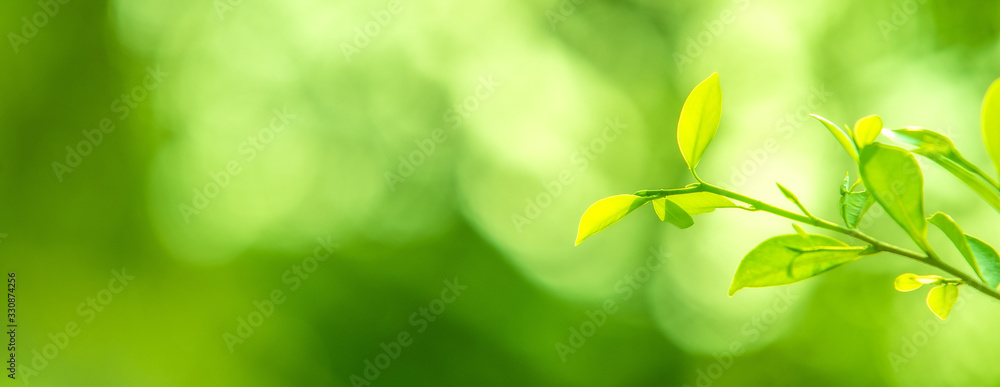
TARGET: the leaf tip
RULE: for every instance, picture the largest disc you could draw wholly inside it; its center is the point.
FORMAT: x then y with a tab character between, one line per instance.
800	231
784	191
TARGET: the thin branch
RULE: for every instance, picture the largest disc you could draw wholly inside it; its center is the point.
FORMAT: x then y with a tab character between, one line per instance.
931	259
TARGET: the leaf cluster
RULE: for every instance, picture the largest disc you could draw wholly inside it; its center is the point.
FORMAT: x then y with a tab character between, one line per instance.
888	176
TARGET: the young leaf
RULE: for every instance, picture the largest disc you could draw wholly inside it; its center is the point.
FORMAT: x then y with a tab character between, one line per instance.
939	148
941	298
991	122
794	199
791	258
909	281
800	231
668	211
866	130
853	205
699	120
894	179
844	138
701	202
788	194
606	212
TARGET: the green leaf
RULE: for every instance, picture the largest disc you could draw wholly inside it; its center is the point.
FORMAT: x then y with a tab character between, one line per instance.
844	138
950	229
991	122
893	177
606	212
934	145
866	130
853	205
701	202
668	211
986	191
989	261
939	148
941	298
699	120
909	281
981	257
791	258
928	142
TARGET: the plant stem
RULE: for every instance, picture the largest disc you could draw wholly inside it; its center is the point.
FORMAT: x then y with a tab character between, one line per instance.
877	245
659	193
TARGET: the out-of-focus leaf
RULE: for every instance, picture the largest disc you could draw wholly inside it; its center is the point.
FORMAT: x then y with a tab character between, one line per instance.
991	123
940	149
941	298
699	120
893	177
791	258
932	145
929	143
909	281
986	191
866	130
606	212
844	138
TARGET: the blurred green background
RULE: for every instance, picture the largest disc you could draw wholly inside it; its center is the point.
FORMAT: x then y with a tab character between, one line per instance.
418	168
